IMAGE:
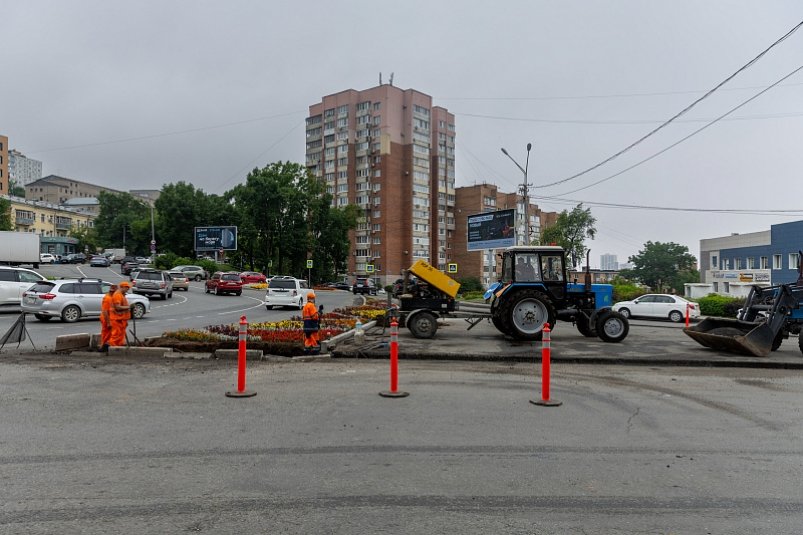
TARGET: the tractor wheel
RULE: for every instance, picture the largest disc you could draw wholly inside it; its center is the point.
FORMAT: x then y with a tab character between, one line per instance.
526	313
800	341
612	327
584	326
422	325
498	322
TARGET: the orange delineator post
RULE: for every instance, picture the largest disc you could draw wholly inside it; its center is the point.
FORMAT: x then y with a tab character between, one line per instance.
241	363
394	363
687	314
546	358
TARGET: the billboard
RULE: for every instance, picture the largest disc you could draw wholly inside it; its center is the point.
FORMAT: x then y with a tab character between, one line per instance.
491	230
215	238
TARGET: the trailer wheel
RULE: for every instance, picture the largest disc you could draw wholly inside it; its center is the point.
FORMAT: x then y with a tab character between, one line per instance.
422	324
584	326
612	327
526	313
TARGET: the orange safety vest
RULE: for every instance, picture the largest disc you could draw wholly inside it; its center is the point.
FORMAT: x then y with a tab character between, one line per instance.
119	299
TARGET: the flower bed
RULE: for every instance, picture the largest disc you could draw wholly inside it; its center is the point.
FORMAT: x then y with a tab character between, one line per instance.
284	337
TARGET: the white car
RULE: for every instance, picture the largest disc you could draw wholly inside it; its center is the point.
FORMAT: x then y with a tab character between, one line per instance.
286	292
13	283
667	306
46	258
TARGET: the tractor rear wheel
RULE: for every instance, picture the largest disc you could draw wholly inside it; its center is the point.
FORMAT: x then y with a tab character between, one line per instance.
800	341
526	312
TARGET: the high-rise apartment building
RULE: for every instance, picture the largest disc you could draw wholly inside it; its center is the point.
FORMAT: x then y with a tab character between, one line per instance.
23	170
390	152
3	165
480	198
608	262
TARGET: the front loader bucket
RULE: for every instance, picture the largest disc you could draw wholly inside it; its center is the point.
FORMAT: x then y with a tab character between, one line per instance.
734	336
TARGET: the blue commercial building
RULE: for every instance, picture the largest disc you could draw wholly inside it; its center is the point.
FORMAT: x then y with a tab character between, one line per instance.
730	265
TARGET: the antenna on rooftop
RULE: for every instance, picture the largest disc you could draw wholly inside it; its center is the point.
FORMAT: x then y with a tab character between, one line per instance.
380	78
391	79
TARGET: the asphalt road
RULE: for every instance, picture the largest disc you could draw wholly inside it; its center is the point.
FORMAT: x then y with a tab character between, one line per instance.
96	445
191	309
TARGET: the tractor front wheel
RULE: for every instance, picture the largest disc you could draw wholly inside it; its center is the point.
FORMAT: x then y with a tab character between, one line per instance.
612	326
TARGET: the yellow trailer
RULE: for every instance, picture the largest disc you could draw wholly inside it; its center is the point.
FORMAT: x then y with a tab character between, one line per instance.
434	277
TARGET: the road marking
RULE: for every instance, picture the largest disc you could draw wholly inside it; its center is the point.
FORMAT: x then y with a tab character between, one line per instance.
260	303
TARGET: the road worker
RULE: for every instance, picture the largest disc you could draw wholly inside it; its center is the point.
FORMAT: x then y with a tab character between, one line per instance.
312	324
120	313
105	318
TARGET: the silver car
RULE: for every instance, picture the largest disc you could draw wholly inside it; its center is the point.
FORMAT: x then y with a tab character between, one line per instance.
196	273
286	292
152	282
74	299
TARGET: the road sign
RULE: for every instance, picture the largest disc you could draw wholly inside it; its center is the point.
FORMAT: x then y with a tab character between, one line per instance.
452	268
153	242
369	268
309	264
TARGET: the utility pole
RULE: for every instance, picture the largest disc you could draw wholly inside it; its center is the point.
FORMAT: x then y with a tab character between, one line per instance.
525	190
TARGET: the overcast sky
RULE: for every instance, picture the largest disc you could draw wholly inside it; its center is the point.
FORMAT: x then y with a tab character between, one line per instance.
133	95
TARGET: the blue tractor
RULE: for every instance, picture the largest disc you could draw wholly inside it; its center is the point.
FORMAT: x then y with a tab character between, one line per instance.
533	290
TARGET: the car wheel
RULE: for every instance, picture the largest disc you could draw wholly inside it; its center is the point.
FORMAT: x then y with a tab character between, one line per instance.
164	297
138	310
70	314
624	312
197	278
675	316
238	293
214	291
300	304
269	307
170	295
41	317
206	289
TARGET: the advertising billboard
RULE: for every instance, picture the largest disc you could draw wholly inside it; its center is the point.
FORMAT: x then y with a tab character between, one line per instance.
491	230
215	238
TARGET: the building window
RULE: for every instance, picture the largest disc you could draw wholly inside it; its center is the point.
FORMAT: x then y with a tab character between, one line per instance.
794	260
737	263
777	261
764	263
714	262
751	262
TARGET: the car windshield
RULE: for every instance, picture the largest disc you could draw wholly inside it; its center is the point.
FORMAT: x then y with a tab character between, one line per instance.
283	283
149	275
230	277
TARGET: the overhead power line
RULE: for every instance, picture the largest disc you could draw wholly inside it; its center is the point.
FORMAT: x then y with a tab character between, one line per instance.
681	140
680	113
624	122
753	211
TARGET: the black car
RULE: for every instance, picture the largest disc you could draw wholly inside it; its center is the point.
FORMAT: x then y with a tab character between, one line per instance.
339	285
364	285
75	258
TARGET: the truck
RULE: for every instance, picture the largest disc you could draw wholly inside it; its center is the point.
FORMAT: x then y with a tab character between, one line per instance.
19	248
115	255
533	291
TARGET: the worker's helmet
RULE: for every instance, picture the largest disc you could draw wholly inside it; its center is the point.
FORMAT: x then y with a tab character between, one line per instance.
311	295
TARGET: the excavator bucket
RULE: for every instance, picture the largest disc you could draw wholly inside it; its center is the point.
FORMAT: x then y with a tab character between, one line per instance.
734	336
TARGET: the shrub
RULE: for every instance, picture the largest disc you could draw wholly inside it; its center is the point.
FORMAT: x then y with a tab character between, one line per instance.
720	305
470	284
626	291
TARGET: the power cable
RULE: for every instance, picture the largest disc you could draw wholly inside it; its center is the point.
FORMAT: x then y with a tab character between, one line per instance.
682	112
681	140
561	200
623	122
165	134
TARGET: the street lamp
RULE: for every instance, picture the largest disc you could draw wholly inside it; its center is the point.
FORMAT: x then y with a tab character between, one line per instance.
525	190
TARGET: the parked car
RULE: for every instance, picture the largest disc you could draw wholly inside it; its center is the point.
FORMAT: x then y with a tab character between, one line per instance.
250	277
340	285
75	258
13	283
196	273
180	280
152	282
363	285
228	282
74	299
672	307
47	258
100	261
286	292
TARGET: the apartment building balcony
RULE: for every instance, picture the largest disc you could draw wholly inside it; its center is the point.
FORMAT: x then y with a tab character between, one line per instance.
26	220
63	224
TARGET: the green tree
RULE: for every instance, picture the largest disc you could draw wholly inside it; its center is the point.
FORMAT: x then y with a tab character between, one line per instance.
179	209
15	189
87	238
123	221
570	230
663	266
5	215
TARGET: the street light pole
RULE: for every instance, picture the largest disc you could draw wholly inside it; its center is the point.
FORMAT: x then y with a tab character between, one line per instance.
525	190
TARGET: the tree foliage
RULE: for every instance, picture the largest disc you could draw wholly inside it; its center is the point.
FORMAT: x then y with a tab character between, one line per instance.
5	215
663	266
123	221
570	231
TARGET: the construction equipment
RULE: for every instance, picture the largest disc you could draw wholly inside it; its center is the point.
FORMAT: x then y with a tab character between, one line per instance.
531	292
770	315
